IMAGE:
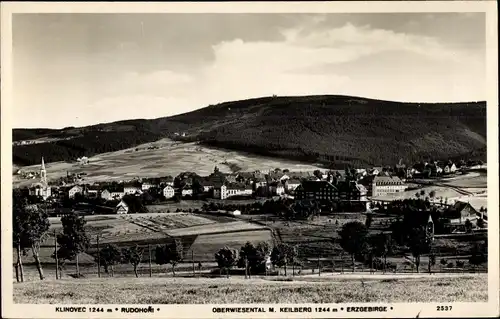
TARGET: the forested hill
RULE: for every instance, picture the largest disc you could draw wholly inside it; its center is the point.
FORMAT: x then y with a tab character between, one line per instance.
338	129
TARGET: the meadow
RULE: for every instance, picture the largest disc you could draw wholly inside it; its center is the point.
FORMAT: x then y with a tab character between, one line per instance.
435	288
170	158
202	234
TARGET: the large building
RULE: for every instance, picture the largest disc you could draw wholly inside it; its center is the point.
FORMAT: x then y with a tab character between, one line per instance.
316	190
232	189
42	188
346	191
384	185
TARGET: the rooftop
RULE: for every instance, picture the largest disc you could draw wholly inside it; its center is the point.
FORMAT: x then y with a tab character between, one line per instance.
387	180
313	186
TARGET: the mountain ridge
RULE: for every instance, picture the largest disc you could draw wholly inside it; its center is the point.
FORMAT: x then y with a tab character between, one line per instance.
328	128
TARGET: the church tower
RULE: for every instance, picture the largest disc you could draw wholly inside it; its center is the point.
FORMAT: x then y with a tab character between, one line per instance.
43	174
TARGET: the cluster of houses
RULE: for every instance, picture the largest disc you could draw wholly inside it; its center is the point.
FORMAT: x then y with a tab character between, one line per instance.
348	185
217	185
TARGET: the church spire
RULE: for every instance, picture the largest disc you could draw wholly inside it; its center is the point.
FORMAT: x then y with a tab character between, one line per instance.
43	173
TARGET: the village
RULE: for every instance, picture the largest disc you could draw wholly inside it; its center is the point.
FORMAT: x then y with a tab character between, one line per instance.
350	190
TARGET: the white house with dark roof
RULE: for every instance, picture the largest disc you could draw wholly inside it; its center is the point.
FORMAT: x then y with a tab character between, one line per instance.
168	192
187	190
121	208
277	188
292	184
229	190
147	184
113	192
383	185
132	188
77	189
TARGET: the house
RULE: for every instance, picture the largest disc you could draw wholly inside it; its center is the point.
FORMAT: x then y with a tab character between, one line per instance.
383	185
243	177
147	184
276	176
292	184
216	179
91	190
132	188
259	181
84	160
351	191
277	188
439	170
453	168
229	190
316	190
376	171
236	189
167	180
284	178
207	185
121	208
462	211
168	192
361	171
415	171
113	192
187	190
75	190
235	213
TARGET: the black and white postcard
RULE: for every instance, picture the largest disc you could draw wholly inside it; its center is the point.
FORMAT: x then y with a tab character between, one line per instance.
250	160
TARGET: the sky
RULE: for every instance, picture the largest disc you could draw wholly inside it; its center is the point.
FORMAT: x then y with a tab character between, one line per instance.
83	69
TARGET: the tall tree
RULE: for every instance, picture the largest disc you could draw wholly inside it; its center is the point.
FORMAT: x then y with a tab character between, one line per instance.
478	255
109	256
133	255
174	253
419	243
74	239
254	257
382	245
30	229
480	223
468	226
283	254
227	258
353	238
161	255
432	261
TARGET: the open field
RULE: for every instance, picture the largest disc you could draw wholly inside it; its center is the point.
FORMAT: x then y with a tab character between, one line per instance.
185	205
170	158
203	235
327	289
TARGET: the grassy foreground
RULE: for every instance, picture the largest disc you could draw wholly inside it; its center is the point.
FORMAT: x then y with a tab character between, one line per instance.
257	290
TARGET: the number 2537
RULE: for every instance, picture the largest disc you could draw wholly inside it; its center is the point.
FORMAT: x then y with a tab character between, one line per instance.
443	308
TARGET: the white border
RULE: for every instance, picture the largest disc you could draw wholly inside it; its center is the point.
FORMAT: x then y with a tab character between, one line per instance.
491	308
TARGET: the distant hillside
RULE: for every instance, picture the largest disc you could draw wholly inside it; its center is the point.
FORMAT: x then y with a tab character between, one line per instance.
338	129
